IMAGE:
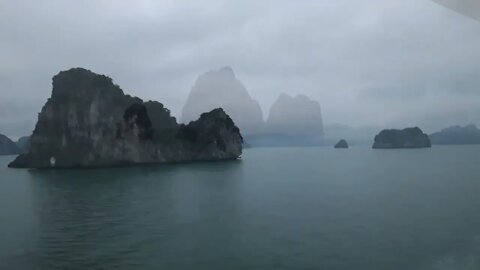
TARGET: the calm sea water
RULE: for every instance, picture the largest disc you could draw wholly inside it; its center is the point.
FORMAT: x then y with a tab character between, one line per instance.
277	208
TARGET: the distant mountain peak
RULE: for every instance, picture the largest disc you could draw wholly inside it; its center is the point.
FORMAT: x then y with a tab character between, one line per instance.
302	97
469	134
295	115
224	72
221	89
227	70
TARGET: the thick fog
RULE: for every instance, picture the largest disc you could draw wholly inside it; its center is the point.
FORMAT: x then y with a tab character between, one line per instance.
378	63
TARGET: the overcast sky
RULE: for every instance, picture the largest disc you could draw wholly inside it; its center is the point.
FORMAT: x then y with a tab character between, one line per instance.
384	63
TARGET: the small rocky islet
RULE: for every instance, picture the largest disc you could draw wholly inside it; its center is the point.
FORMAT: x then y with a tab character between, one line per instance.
89	122
342	144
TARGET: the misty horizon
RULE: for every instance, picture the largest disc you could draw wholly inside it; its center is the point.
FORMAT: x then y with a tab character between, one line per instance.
376	64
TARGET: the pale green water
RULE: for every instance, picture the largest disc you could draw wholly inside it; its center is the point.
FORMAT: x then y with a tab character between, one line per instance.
278	208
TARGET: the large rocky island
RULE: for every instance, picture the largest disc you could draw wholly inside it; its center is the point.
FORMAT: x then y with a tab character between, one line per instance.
405	138
89	122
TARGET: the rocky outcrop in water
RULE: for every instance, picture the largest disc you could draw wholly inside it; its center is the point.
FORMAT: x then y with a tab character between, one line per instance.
405	138
220	88
342	144
457	135
89	122
7	146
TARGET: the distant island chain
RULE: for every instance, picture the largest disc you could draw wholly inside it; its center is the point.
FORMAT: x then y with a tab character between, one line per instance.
90	122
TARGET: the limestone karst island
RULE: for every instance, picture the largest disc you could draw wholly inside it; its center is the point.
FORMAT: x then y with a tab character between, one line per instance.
90	122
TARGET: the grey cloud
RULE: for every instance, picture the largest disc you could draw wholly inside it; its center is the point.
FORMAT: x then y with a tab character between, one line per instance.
362	59
394	92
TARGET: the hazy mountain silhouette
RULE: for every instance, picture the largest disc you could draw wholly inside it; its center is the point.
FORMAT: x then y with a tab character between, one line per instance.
7	146
23	143
292	121
457	135
295	115
220	88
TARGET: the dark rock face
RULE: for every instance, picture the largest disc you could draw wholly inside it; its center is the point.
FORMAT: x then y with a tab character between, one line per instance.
220	88
211	136
341	144
23	143
8	147
406	138
457	135
295	115
90	122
